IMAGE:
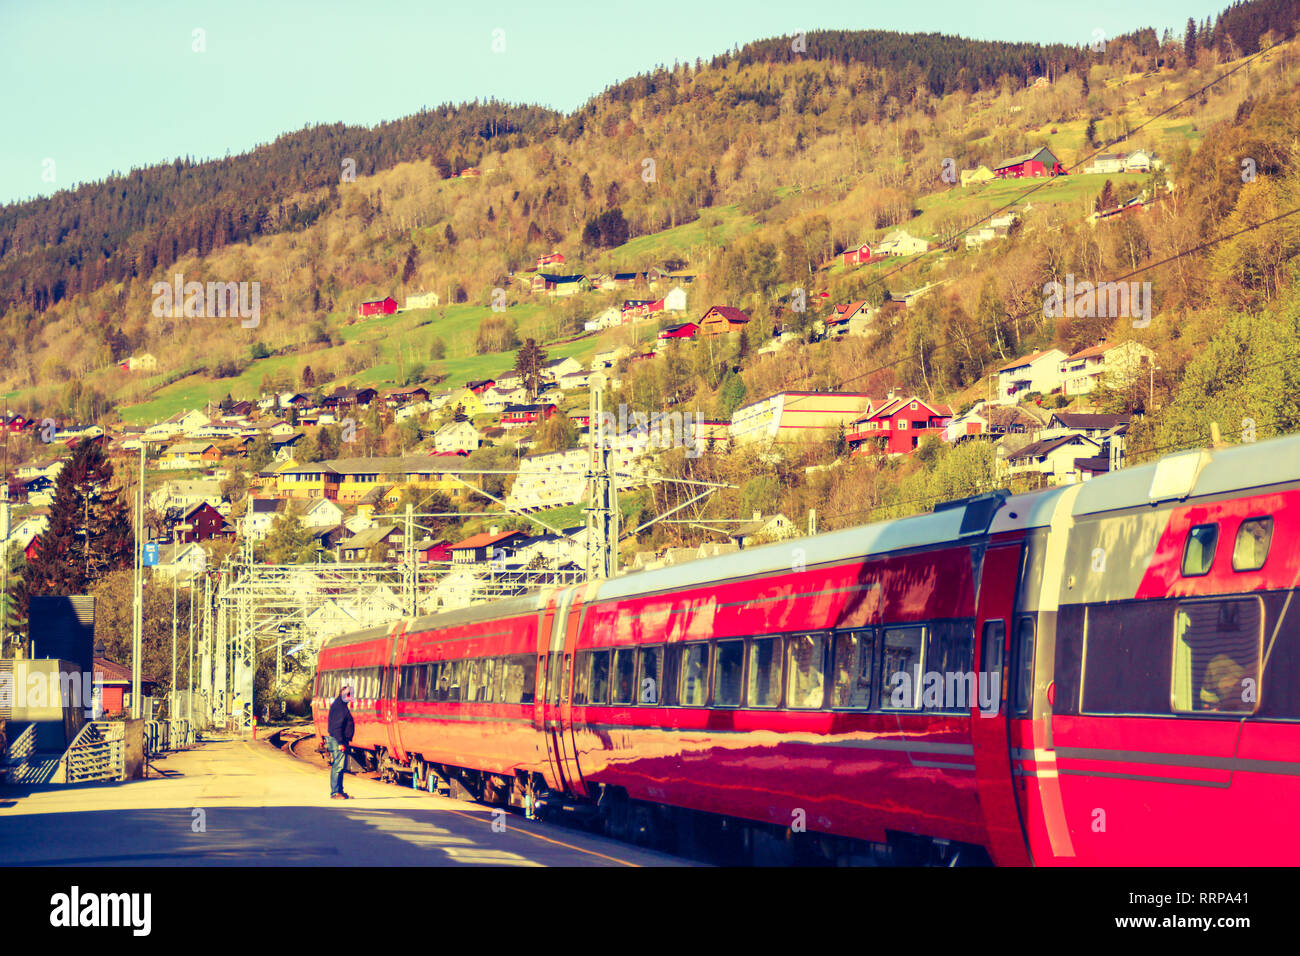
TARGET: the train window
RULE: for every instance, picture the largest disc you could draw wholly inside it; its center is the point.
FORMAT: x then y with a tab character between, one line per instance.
471	681
1251	548
1024	664
529	678
404	686
428	677
1198	552
765	672
455	678
991	652
672	673
552	678
950	654
1127	658
728	673
695	675
1217	646
625	675
599	677
901	665
582	678
648	673
854	651
499	680
564	676
806	677
487	679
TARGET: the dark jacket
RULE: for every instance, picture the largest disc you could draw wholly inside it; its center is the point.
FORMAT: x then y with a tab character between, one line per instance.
341	726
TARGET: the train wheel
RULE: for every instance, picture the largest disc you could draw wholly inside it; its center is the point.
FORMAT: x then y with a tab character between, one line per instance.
418	772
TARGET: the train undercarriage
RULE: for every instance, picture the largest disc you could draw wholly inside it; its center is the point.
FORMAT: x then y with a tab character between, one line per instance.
695	834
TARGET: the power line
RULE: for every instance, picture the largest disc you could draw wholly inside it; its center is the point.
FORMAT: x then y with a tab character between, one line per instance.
1051	180
992	328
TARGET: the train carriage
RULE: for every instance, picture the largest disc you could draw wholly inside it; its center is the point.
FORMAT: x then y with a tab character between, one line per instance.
1102	673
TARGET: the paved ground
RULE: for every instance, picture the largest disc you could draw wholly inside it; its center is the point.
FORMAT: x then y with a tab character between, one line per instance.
241	802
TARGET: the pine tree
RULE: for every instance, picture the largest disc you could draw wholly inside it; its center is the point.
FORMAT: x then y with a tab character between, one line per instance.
528	363
1189	40
89	533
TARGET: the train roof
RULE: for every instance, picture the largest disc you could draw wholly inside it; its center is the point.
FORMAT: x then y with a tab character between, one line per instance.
955	522
1198	473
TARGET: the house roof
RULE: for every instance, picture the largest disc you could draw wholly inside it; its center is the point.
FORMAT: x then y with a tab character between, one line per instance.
1082	420
1024	158
1101	348
189	448
1028	359
728	312
484	540
265	506
1039	448
370	537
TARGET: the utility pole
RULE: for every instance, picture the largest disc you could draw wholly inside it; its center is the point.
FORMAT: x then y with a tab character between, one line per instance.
137	609
189	707
410	572
4	558
171	705
602	508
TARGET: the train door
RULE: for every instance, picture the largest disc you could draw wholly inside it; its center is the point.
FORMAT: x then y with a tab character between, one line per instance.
545	716
387	704
568	744
559	677
995	607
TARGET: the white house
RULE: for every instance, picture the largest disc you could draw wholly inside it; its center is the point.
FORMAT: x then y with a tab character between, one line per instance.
1119	363
181	561
1063	459
186	494
900	243
608	359
1138	161
1039	372
675	299
565	366
424	300
322	513
457	436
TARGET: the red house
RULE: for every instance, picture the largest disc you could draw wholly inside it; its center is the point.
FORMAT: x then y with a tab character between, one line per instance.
114	682
860	256
479	386
385	306
554	259
32	546
685	330
896	426
1041	162
516	416
433	551
201	523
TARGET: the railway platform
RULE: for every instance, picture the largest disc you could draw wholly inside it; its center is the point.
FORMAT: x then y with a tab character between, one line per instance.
240	802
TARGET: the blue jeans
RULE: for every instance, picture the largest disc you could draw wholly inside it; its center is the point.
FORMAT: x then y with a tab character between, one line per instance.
338	760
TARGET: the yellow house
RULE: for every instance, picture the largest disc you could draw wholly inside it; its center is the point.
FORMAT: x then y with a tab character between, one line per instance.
470	402
350	480
315	480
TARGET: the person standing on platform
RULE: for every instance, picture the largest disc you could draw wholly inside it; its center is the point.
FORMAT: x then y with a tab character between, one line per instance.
341	729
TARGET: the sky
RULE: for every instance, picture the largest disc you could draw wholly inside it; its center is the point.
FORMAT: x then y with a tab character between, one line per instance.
92	88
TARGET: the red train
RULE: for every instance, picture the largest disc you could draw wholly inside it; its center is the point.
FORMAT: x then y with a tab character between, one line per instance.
1105	673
